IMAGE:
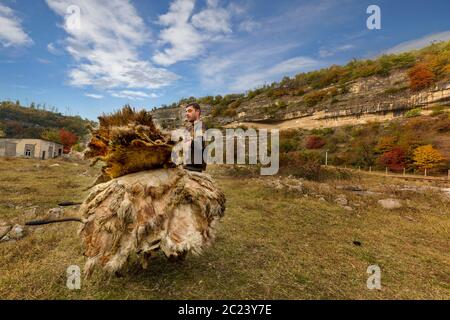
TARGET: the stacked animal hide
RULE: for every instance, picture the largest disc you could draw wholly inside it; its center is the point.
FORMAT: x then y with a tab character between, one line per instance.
128	142
136	214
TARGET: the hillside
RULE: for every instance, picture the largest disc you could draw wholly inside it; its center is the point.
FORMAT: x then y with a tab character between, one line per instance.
360	91
17	121
394	144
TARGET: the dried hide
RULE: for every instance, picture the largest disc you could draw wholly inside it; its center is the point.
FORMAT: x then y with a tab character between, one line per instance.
169	209
128	141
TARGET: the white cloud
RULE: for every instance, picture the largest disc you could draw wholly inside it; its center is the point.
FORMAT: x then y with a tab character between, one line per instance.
419	43
222	71
53	49
94	96
106	46
249	25
213	19
133	95
185	34
284	68
323	53
11	31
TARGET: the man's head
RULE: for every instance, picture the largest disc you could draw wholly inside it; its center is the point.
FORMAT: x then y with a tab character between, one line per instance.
193	112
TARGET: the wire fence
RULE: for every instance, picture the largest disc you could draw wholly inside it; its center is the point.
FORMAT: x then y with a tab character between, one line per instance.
425	174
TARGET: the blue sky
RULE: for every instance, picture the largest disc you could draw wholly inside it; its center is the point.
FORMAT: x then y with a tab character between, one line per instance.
87	57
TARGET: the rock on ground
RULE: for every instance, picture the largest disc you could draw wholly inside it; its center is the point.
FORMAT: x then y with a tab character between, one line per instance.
341	200
4	231
390	203
55	213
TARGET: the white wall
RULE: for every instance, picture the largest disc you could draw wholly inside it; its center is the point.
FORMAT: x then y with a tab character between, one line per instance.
39	147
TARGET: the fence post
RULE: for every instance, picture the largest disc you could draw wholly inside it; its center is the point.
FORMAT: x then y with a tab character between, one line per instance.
370	170
425	172
386	171
448	177
404	171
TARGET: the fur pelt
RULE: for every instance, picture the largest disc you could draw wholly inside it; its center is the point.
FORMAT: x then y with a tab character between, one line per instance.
128	141
171	209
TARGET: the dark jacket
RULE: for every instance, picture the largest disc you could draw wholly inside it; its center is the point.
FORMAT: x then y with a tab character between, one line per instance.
197	144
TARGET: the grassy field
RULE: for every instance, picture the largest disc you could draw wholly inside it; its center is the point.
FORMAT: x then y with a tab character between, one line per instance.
272	243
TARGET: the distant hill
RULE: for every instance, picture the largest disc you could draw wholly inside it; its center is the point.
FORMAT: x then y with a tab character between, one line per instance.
393	84
17	121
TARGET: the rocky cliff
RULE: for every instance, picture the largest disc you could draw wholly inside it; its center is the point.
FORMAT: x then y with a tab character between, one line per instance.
370	99
375	90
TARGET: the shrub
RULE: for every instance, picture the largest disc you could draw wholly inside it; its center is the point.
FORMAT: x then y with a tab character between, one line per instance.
68	139
314	142
322	131
393	159
300	92
315	97
395	90
413	113
426	157
301	164
385	144
420	77
436	111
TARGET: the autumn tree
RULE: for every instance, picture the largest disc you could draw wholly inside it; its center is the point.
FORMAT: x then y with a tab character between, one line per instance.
420	77
385	144
426	157
68	139
393	159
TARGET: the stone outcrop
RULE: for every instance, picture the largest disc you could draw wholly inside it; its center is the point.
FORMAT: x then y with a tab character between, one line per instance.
373	98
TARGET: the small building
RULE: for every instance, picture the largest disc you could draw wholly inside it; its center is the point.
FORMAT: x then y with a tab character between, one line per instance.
30	148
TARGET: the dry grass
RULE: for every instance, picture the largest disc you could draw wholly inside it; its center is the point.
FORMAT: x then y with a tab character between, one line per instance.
272	244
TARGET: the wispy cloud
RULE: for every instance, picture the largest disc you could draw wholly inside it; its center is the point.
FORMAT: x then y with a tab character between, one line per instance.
106	46
43	61
185	34
53	49
133	95
94	96
284	68
419	43
11	31
329	52
269	53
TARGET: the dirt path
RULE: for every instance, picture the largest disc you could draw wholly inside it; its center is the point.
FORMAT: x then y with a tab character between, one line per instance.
314	122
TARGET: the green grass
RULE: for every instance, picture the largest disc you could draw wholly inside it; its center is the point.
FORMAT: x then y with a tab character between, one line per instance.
271	244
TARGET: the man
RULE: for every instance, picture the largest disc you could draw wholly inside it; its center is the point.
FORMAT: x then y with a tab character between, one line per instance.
195	161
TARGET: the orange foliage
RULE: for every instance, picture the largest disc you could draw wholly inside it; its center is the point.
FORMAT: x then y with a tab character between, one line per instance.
393	159
68	139
420	76
426	157
385	143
